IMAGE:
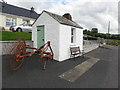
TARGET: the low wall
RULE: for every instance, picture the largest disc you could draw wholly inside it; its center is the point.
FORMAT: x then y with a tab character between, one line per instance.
8	45
89	42
90	45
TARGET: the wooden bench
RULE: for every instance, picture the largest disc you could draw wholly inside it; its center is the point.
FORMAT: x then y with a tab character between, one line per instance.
75	51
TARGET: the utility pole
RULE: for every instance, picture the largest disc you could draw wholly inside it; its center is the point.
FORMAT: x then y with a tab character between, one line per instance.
109	27
108	31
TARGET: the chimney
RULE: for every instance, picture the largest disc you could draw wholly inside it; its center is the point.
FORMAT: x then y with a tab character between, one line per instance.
68	16
32	9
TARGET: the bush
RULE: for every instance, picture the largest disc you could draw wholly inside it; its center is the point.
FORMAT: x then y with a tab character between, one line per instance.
91	37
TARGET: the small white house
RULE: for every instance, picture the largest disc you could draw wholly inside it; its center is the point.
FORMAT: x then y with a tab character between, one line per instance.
61	31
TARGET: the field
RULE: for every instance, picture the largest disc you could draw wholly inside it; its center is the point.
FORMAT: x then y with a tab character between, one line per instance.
12	36
113	41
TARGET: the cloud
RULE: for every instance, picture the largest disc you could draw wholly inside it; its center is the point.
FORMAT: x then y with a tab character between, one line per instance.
89	14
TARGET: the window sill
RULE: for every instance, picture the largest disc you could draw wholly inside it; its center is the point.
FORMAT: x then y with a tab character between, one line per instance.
73	44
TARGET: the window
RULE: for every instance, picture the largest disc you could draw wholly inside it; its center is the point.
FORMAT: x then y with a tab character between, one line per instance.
73	35
10	21
26	21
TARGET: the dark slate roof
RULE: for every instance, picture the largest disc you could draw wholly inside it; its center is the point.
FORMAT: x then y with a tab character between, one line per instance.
14	10
63	20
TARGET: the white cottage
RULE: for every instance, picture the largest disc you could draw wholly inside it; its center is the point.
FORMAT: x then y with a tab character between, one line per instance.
61	31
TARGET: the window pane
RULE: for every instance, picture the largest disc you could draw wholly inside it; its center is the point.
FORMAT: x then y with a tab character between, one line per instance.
72	39
73	35
10	21
72	31
14	22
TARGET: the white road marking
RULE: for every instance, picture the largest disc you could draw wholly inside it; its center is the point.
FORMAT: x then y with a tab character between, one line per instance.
73	74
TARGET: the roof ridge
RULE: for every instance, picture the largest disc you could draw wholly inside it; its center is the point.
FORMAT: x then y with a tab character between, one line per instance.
64	21
52	13
17	6
57	15
12	5
19	11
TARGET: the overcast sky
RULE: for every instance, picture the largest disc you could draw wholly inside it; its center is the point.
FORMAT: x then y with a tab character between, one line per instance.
89	14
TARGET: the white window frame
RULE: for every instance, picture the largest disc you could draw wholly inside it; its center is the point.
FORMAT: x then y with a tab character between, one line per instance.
10	21
73	35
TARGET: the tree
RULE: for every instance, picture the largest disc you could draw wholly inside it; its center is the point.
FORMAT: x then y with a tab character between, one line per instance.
86	32
94	30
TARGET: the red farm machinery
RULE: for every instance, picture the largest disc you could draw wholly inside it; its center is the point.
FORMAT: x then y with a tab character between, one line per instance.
19	52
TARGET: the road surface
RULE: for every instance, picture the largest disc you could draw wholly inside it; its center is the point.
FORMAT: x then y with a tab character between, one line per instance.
104	74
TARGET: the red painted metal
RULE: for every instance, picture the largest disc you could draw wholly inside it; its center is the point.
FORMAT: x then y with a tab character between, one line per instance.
40	51
21	52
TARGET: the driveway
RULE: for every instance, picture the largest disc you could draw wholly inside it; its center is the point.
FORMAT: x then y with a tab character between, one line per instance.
104	74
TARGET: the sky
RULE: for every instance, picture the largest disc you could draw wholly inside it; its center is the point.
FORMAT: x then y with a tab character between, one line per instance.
88	14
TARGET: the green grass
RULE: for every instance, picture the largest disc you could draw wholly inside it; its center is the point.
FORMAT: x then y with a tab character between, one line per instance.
12	36
114	41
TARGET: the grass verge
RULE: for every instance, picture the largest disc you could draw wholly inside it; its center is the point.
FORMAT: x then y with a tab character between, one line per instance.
12	36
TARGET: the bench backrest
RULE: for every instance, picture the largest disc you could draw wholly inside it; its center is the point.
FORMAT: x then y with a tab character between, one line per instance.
75	49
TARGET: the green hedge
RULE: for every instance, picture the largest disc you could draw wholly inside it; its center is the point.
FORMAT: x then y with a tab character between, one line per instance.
90	37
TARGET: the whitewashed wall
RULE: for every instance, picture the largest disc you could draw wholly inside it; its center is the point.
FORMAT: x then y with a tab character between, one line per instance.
65	41
59	35
2	20
51	32
79	38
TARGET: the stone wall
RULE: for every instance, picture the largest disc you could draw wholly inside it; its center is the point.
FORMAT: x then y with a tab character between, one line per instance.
6	46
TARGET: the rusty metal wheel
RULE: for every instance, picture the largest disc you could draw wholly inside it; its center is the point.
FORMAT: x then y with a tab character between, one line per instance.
18	50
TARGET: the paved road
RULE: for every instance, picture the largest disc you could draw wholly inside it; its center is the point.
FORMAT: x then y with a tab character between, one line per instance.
104	74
